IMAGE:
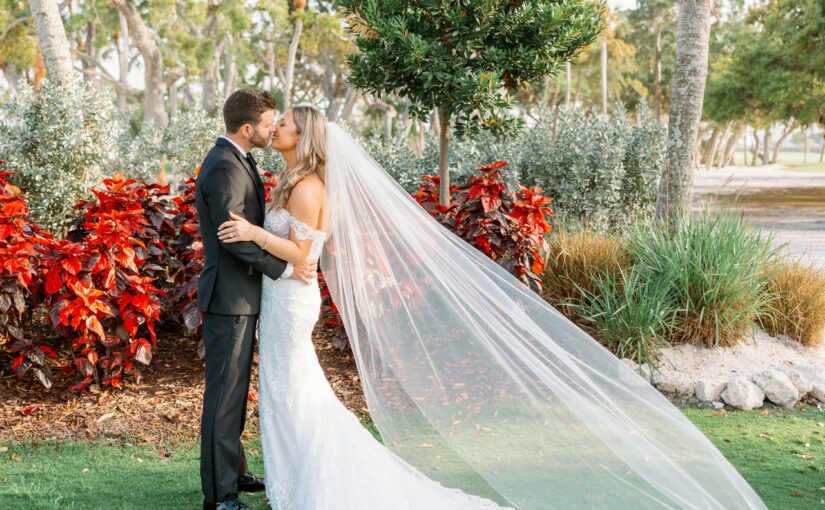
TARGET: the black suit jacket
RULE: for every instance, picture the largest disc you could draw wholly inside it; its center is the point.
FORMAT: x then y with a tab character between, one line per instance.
230	282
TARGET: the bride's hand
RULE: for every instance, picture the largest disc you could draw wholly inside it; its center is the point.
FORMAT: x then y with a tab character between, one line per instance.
236	229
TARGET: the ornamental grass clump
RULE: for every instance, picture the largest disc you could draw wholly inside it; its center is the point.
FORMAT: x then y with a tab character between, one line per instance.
715	267
577	261
796	304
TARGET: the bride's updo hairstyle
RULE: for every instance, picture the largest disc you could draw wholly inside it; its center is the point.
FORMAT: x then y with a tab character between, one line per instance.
311	151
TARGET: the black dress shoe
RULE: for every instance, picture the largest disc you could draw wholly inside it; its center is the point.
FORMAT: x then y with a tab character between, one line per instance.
230	503
250	483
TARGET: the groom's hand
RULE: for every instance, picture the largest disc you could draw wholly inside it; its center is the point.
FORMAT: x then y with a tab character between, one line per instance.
306	271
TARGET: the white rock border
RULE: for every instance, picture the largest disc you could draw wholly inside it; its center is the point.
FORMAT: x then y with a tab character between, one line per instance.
783	386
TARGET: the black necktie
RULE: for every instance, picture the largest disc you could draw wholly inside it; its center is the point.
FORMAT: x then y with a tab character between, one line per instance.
252	162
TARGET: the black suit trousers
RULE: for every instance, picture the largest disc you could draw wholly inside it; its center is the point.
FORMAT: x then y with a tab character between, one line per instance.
229	342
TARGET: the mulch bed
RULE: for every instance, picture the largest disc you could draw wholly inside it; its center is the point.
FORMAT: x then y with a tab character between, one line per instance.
165	408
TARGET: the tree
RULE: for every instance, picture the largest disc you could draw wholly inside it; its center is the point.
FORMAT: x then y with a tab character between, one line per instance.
153	103
687	94
463	57
51	37
650	30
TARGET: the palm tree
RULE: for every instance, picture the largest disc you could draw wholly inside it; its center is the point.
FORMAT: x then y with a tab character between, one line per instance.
687	91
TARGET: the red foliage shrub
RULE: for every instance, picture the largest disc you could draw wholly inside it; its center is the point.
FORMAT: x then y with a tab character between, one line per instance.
21	245
507	225
97	286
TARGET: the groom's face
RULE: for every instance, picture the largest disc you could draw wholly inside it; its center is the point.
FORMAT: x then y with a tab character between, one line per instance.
262	132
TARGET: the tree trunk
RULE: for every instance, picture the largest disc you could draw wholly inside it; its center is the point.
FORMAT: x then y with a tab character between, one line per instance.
730	146
657	75
755	148
822	147
568	71
805	147
349	103
604	77
89	66
578	82
173	99
271	65
153	104
689	77
230	67
51	37
122	47
713	144
12	78
290	61
209	81
766	145
443	159
776	148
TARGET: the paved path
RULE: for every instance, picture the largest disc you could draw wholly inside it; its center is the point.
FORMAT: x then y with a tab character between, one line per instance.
791	203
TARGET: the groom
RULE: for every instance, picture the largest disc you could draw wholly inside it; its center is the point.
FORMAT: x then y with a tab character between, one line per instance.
229	293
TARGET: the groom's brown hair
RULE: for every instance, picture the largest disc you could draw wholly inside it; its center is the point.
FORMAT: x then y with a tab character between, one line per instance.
245	106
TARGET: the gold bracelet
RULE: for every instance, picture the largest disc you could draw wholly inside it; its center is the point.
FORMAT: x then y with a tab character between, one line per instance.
266	240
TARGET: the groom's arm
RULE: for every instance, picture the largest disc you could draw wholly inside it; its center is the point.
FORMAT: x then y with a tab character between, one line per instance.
224	192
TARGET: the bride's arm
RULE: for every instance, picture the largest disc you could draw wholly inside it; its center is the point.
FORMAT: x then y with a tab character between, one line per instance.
305	203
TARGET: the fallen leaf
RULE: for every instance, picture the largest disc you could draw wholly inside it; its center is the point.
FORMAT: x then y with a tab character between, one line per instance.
4	449
806	456
26	411
425	445
84	470
105	417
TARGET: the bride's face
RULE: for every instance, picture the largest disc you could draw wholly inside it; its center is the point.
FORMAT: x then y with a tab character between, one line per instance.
285	136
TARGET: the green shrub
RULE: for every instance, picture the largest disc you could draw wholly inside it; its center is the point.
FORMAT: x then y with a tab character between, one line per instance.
715	268
629	313
602	173
177	148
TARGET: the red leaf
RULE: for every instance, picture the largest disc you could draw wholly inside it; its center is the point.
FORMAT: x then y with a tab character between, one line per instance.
94	325
53	282
26	411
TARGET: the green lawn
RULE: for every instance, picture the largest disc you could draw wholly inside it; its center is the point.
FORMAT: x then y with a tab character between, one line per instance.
781	454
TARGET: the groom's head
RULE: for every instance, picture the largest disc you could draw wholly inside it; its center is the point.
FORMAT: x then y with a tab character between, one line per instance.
249	115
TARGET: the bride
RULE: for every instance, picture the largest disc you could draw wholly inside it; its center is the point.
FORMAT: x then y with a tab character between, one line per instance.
484	395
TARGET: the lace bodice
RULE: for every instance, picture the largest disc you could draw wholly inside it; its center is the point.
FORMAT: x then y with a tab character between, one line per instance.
279	222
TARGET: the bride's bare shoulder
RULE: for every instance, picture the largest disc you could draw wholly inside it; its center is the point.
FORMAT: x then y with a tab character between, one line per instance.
309	189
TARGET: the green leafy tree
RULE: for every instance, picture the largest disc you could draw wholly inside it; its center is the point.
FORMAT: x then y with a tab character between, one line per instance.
464	57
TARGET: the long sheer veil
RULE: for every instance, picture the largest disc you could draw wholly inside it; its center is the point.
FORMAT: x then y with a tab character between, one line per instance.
476	381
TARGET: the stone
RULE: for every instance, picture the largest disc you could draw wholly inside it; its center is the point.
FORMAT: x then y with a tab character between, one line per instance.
709	390
718	405
742	393
812	372
818	389
801	381
674	384
778	387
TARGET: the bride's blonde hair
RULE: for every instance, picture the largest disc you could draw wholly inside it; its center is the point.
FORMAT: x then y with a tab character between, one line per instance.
311	151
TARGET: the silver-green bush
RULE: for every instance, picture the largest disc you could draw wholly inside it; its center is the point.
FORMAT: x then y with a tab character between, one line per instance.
59	140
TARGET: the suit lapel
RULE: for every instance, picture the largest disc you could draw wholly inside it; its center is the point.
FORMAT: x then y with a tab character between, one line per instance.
253	173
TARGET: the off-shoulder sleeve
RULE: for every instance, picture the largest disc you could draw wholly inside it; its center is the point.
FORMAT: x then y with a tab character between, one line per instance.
304	231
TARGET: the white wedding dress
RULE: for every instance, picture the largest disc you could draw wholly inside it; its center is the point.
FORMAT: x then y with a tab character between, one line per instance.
317	455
